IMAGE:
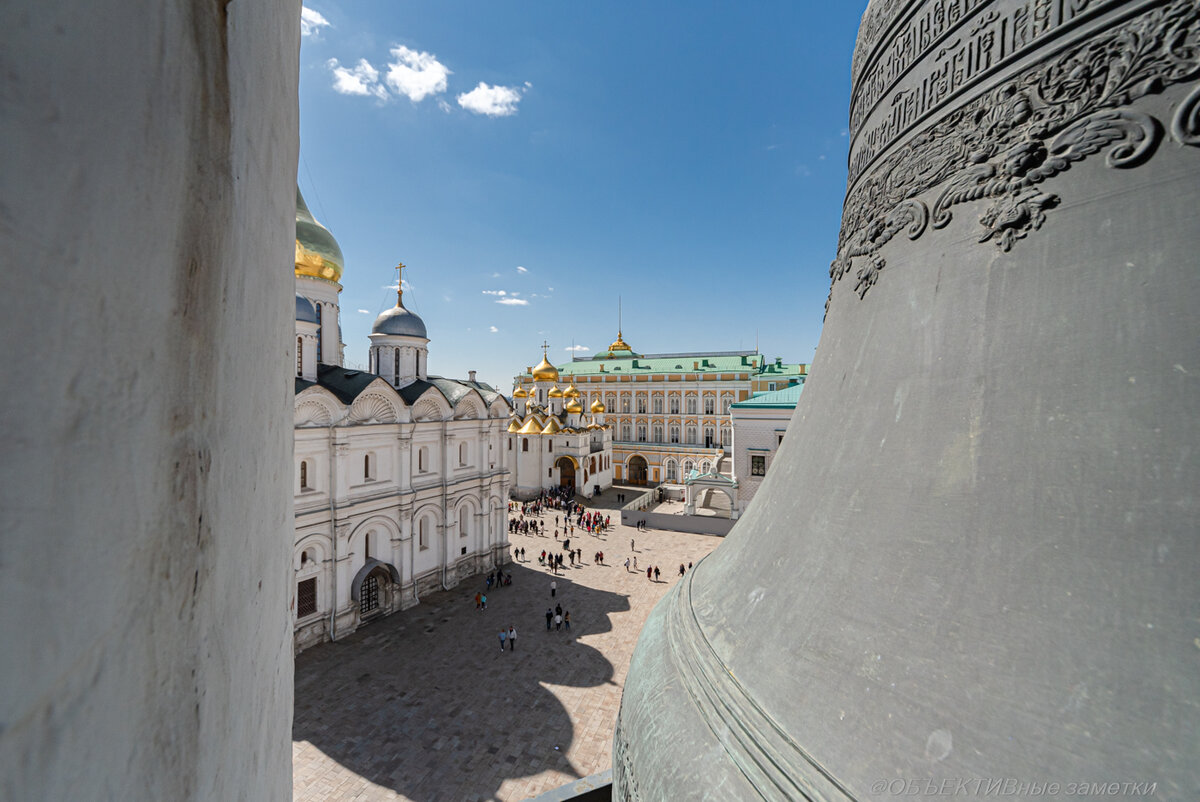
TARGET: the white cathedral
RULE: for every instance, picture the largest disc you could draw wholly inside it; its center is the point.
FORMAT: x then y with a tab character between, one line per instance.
402	478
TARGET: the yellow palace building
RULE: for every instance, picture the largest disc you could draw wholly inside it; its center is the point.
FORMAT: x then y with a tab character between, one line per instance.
669	412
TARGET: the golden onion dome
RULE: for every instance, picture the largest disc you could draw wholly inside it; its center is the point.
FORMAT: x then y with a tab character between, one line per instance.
571	392
597	407
317	252
520	393
555	392
552	427
573	406
531	427
545	372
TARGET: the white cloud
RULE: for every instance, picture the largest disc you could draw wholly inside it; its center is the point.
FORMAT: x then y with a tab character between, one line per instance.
513	302
577	348
493	329
362	79
392	287
363	312
494	292
549	289
521	269
494	101
311	22
444	106
415	74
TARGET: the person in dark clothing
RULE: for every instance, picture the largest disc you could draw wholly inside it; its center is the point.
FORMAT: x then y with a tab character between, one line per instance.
549	618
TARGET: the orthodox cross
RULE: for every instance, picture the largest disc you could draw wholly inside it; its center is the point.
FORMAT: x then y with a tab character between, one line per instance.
400	284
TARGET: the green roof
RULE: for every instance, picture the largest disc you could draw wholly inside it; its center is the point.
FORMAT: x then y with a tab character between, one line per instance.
775	399
677	363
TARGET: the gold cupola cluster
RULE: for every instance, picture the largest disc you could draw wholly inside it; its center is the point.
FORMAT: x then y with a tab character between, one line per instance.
317	252
541	420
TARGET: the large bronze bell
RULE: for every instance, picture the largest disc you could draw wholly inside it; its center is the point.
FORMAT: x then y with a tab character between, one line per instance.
974	564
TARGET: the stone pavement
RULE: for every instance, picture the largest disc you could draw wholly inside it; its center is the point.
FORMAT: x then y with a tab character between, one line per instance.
424	706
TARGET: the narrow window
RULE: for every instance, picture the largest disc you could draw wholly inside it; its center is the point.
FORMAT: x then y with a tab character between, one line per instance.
396	366
304	475
708	406
422	535
306	597
641	406
320	332
299	356
549	445
367	546
691	406
368	468
524	443
674	405
462	453
420	460
658	406
464	525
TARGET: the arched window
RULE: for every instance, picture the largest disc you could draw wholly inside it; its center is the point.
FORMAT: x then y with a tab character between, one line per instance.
691	405
691	435
625	432
396	366
299	356
367	546
674	405
674	434
709	405
726	436
641	405
464	523
423	534
524	443
657	406
688	467
657	433
641	433
708	437
304	475
671	470
625	404
725	402
320	332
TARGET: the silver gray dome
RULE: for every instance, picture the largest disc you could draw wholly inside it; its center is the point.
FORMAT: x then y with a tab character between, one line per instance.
305	310
399	320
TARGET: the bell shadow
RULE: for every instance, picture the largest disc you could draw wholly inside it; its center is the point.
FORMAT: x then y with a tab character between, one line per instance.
424	702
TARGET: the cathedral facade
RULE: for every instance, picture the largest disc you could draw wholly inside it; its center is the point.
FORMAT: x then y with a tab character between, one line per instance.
553	442
401	477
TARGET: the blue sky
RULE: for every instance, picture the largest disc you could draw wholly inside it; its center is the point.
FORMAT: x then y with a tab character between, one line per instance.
530	162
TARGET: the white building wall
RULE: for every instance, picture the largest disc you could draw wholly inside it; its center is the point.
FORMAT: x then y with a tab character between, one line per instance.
756	432
143	496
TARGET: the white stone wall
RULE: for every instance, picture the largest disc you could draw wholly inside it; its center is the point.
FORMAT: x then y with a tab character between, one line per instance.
757	429
460	501
150	166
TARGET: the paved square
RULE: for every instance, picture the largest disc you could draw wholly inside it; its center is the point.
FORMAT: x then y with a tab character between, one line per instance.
424	706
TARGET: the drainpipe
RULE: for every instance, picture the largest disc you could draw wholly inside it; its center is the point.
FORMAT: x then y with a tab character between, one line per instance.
445	511
333	531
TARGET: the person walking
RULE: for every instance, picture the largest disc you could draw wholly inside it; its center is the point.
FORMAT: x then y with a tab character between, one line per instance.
483	600
567	620
512	638
681	569
478	596
656	574
627	564
649	571
558	619
635	562
553	588
503	637
549	618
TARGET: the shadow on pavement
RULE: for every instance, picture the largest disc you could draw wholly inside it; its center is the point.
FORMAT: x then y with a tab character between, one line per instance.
424	702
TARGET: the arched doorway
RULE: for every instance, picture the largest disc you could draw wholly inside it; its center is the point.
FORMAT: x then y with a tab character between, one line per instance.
566	471
373	587
637	470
